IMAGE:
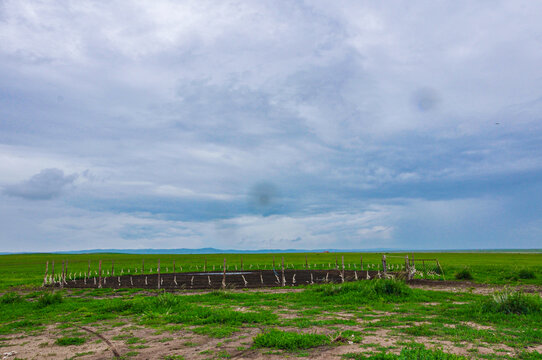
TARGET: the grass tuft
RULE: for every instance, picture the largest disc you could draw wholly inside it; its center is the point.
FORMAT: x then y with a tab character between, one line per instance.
526	274
47	299
463	274
66	341
10	298
287	340
411	352
512	302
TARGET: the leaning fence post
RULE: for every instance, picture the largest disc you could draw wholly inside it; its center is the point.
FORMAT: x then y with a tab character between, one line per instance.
283	278
224	275
384	267
441	270
100	274
158	270
46	271
342	273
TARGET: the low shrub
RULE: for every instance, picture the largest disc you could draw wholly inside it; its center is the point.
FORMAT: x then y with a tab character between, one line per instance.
48	298
511	302
66	341
463	274
287	340
10	298
526	274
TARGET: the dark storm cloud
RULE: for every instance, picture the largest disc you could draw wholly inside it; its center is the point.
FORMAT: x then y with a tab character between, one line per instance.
47	184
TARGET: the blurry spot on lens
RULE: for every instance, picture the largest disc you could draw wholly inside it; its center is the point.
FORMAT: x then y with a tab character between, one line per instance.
425	99
262	196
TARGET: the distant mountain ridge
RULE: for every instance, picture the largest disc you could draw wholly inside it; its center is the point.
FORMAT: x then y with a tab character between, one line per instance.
264	251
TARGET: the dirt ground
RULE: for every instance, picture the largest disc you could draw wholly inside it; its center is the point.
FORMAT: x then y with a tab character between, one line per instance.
159	345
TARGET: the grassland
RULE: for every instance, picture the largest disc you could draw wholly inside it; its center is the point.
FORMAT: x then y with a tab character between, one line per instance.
489	268
379	319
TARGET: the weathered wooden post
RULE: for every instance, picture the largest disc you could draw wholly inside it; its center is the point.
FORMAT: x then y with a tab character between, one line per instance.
342	273
224	275
407	268
62	276
173	266
53	272
283	278
100	274
88	271
423	264
205	265
46	271
66	272
242	263
361	262
336	263
384	267
158	271
112	267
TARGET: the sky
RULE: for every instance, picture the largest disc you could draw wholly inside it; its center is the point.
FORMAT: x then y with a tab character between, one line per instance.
270	124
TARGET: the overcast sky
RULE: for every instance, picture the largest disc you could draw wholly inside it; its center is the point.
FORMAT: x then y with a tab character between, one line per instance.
270	124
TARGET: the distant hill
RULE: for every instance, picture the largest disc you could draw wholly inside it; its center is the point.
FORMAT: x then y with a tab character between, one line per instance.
231	251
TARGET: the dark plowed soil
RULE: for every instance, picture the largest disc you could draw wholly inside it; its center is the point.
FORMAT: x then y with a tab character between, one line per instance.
214	280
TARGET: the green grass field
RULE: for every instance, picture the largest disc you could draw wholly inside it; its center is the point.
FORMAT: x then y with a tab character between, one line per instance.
377	319
493	268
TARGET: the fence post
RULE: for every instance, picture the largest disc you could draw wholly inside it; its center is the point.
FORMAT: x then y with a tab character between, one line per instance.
158	273
361	262
384	267
242	263
205	265
53	272
46	271
224	275
342	273
112	267
283	278
423	264
336	263
174	266
441	270
100	274
407	268
62	276
306	263
143	266
88	271
66	272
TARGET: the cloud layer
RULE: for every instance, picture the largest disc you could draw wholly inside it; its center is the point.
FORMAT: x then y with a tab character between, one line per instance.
280	125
